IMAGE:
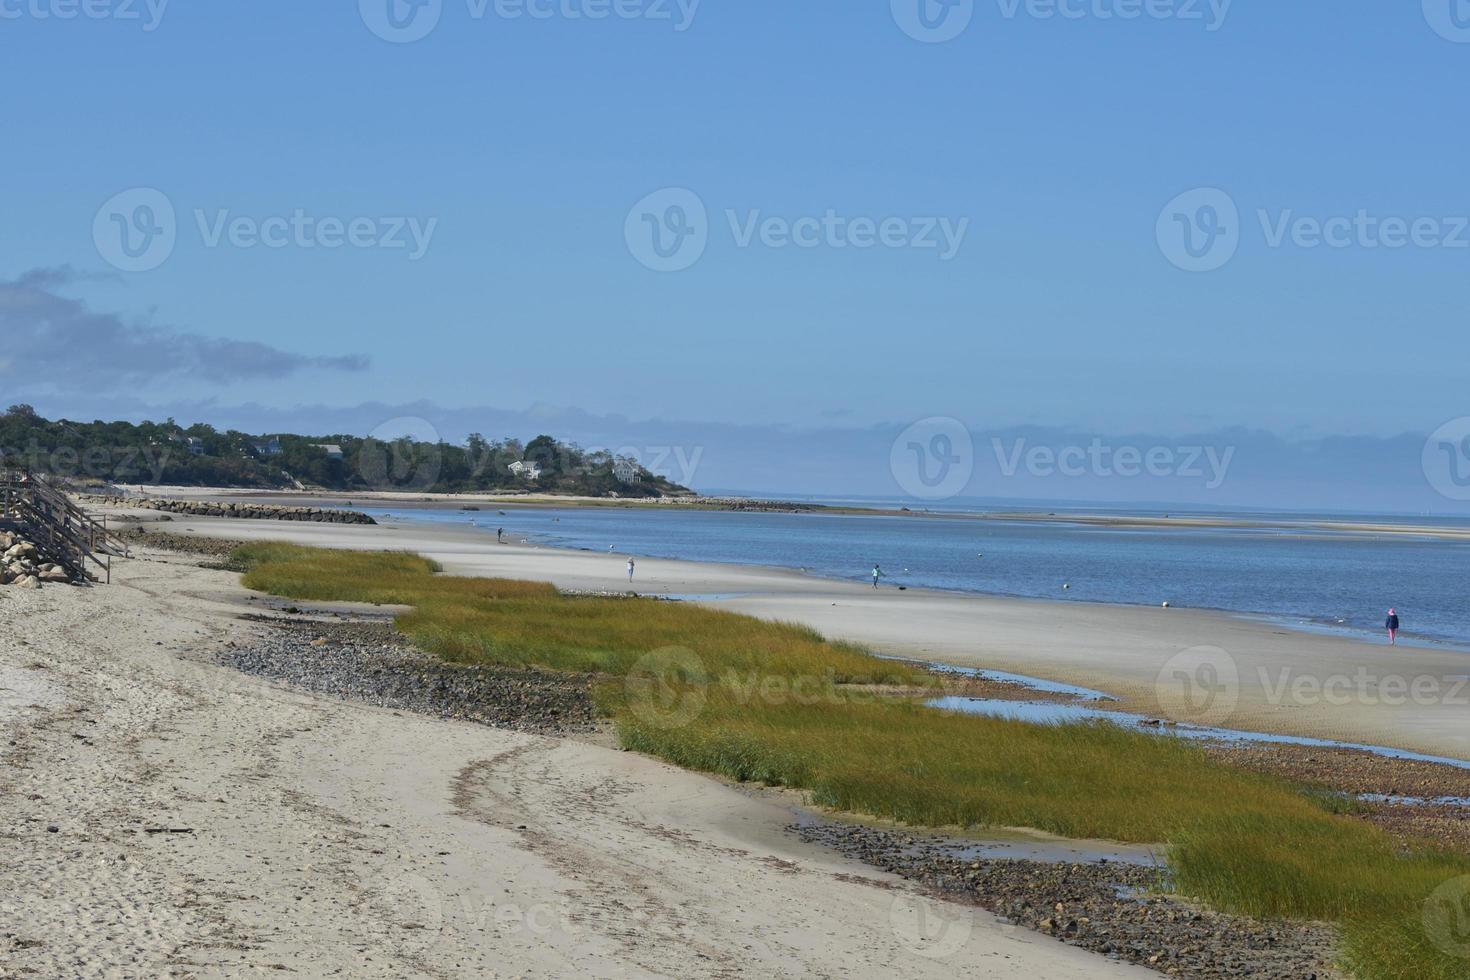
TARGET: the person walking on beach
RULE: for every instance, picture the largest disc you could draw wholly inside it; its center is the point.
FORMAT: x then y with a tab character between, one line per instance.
631	566
877	574
1393	627
500	536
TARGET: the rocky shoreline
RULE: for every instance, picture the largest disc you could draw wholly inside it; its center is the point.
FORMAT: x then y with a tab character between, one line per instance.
249	512
372	664
1112	908
22	567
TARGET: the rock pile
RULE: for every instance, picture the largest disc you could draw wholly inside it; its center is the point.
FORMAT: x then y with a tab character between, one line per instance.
21	564
250	512
374	664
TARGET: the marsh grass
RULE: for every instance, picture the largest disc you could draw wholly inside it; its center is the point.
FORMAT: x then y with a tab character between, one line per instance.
496	621
1244	843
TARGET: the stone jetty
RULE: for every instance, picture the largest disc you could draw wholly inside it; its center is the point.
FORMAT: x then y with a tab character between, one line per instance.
250	512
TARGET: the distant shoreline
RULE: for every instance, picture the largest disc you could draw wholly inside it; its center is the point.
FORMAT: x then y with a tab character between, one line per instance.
459	501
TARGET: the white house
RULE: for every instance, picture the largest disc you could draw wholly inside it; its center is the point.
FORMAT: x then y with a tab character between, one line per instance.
627	471
268	447
525	470
333	451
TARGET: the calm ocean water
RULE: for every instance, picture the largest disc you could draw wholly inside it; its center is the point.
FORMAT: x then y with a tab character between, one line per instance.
1311	580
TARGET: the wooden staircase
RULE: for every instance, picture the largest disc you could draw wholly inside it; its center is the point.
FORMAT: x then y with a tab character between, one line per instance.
60	530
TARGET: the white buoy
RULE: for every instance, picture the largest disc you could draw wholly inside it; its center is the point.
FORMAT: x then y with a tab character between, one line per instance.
1068	585
1166	605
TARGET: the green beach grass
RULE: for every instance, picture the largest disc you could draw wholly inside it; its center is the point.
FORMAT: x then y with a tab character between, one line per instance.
778	704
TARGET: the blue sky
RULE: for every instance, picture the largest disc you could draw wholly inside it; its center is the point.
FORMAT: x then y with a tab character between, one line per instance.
521	144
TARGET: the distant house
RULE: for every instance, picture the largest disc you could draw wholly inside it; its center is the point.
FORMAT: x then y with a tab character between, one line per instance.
195	446
267	447
332	451
525	470
627	471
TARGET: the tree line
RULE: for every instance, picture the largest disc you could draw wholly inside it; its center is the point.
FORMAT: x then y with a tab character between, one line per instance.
166	452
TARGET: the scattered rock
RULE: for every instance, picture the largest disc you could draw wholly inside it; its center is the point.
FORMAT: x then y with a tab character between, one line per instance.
1114	908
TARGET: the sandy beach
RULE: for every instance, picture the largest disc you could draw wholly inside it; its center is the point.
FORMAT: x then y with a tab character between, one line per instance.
167	816
1160	662
172	816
